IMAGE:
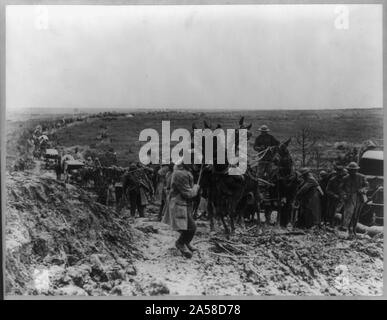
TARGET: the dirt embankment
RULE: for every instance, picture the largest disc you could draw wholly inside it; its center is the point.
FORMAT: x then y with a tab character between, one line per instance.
59	240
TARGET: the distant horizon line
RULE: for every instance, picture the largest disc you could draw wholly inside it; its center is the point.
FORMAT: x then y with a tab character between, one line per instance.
78	109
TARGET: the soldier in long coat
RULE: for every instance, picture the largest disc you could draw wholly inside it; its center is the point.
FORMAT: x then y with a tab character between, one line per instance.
355	186
165	174
335	194
287	189
138	189
179	207
309	196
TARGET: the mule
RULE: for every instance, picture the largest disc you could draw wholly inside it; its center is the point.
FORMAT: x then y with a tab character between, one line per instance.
222	190
276	164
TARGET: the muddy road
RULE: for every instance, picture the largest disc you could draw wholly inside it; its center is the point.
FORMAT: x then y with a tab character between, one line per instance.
60	241
274	262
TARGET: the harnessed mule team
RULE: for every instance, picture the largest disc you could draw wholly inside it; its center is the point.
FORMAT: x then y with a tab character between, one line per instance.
240	197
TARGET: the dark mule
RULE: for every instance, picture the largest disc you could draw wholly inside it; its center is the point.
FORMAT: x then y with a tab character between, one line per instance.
222	190
275	166
249	204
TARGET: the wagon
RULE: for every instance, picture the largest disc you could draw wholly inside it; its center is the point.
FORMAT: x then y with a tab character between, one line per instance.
51	158
72	171
371	165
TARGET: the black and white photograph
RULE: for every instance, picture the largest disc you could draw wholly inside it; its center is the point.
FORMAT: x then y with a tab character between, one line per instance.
193	151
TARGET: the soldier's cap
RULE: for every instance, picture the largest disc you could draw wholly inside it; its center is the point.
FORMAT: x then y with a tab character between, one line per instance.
352	166
340	170
264	128
304	171
338	167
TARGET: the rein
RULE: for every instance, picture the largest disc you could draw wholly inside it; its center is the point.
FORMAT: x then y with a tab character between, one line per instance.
259	157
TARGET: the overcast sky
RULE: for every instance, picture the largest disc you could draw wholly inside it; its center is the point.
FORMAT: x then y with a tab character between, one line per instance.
248	56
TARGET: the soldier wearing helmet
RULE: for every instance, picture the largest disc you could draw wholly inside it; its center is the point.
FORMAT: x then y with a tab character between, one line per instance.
355	187
334	192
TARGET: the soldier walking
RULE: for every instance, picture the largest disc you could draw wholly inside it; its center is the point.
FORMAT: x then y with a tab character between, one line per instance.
335	195
137	186
179	207
355	187
165	174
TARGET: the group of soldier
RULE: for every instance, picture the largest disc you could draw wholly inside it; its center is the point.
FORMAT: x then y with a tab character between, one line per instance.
339	193
115	186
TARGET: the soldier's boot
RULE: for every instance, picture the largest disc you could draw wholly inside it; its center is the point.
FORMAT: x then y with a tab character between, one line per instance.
141	211
183	249
191	248
189	234
160	216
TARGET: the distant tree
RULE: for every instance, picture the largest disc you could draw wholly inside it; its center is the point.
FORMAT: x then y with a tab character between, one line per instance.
306	139
316	156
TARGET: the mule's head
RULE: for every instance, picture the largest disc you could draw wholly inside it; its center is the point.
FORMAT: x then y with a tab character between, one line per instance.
285	159
243	125
283	148
207	125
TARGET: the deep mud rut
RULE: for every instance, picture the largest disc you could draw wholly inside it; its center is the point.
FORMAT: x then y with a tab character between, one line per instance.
276	262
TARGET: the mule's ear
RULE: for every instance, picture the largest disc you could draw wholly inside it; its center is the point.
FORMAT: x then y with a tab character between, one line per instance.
241	120
218	126
249	126
194	126
286	143
206	125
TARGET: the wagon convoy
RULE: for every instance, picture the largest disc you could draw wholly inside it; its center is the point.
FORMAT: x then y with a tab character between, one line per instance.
271	184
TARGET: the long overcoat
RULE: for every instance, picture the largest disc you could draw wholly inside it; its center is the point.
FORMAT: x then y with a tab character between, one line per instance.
179	202
310	203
